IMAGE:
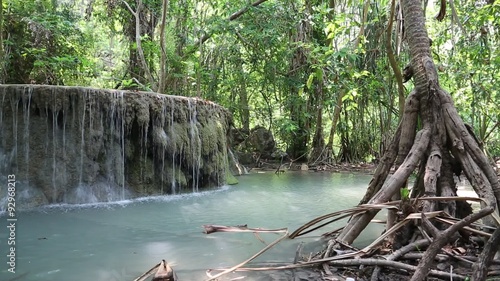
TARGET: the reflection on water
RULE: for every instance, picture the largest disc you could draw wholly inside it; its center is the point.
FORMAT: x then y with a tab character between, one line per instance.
120	240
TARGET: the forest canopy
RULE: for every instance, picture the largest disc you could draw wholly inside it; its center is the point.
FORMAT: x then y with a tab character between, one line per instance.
326	77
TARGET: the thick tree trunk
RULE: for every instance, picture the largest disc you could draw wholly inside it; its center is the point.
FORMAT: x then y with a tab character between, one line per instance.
442	139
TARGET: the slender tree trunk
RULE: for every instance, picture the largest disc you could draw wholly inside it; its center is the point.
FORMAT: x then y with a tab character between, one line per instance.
243	99
393	62
140	51
244	108
163	58
138	66
336	116
318	143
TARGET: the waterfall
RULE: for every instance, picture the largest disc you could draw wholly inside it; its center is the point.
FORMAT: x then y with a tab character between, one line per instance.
54	146
82	139
83	145
122	142
172	132
26	134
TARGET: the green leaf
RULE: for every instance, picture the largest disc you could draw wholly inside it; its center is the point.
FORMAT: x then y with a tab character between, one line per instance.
310	80
405	193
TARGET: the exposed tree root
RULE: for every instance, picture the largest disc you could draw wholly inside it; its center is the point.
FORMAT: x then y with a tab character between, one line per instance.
401	261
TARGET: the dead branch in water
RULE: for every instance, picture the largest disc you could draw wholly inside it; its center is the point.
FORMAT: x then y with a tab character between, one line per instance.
148	273
285	235
211	228
162	272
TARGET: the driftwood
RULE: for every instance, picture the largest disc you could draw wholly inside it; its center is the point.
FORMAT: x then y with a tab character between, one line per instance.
162	272
211	228
165	273
234	268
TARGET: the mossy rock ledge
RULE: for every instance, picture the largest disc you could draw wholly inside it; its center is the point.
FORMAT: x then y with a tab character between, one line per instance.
85	145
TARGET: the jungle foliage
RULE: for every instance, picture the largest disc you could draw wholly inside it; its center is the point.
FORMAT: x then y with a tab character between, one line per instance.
324	76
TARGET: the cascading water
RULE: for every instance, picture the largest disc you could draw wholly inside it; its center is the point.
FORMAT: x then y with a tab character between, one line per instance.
26	135
82	139
172	132
121	117
82	145
195	145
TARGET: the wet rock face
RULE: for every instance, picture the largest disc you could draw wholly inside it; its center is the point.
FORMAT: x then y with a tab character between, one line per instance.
77	145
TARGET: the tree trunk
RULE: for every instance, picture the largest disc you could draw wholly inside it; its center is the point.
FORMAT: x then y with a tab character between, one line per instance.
244	107
318	143
393	62
138	67
442	139
297	103
163	59
335	119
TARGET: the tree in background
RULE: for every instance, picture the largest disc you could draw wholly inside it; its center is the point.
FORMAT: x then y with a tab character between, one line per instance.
43	44
323	76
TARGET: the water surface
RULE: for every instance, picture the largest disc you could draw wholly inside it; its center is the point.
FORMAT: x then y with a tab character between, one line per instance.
120	240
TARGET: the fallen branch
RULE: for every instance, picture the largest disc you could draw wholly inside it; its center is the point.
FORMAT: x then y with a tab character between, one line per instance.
148	273
211	228
285	235
399	253
358	262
